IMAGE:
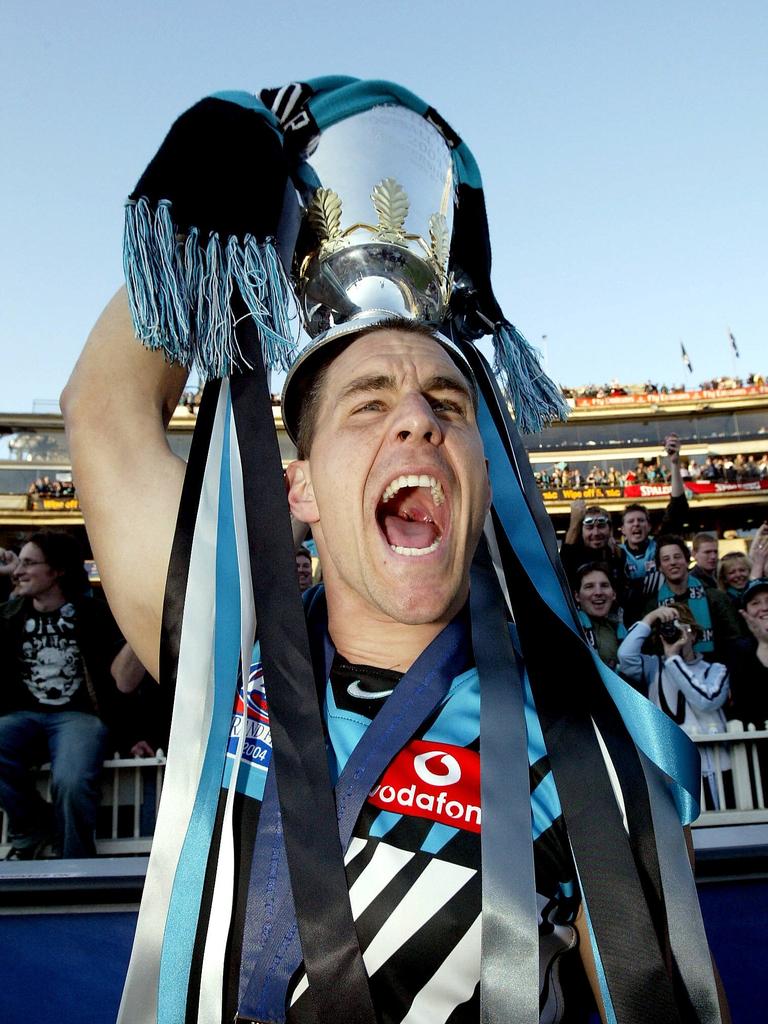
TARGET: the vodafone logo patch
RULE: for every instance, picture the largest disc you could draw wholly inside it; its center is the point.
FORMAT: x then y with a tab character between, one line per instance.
450	775
432	780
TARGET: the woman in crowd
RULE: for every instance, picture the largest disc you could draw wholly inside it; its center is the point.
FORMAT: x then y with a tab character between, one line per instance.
599	613
733	575
678	680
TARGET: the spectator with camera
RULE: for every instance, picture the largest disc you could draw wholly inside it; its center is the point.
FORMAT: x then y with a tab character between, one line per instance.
719	633
62	658
677	679
599	613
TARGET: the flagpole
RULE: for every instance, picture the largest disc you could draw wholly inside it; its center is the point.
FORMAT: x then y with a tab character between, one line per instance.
685	357
734	353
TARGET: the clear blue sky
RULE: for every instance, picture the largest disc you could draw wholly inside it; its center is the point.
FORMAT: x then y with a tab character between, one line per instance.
624	148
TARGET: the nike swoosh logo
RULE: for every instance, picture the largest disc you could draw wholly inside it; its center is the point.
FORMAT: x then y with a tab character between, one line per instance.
356	690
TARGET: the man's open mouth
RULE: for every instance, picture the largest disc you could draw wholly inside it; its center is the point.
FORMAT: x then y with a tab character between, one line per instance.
412	515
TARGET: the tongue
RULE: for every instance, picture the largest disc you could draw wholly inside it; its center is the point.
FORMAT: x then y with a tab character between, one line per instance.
404	533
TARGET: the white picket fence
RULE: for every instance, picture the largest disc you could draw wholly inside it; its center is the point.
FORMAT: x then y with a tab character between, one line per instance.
130	798
747	751
131	791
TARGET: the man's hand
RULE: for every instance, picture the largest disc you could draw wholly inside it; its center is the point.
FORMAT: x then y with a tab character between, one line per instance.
757	627
661	614
9	560
142	749
578	511
758	553
672	448
673	647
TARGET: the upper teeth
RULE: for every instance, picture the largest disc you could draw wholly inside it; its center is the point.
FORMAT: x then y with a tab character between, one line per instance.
415	480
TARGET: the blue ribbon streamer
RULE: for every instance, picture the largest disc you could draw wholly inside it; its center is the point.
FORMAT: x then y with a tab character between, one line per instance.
183	911
653	731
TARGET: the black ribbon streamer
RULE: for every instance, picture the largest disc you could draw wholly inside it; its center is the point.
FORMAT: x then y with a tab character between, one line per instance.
620	877
509	981
331	950
181	550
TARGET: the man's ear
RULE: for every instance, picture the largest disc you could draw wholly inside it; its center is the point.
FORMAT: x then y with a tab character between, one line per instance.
301	495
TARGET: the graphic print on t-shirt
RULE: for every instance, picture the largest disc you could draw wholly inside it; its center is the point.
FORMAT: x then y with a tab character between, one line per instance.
52	668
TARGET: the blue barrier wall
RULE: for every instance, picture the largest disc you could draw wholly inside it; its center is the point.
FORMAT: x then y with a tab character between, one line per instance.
68	968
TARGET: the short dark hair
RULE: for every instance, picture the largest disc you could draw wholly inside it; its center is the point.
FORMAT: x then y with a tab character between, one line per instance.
313	386
63	553
598	510
636	507
667	540
303	551
703	538
587	568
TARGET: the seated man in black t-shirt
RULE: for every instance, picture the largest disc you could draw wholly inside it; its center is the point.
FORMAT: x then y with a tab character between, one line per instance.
62	655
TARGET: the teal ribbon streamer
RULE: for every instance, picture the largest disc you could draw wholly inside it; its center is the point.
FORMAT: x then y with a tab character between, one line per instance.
653	731
181	923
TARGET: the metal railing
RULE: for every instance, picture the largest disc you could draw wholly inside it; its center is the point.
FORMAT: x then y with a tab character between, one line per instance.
131	788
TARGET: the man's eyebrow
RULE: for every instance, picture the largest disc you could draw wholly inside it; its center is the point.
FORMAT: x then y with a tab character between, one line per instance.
442	383
387	382
373	382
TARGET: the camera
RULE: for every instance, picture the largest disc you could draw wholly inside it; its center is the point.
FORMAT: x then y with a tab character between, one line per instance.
670	631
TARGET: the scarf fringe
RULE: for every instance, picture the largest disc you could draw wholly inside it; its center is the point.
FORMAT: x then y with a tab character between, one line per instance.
179	293
536	399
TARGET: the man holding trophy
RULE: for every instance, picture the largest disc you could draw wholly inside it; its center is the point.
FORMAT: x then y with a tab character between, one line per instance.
411	814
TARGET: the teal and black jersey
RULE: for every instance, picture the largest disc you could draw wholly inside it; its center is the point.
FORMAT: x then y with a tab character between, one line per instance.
413	864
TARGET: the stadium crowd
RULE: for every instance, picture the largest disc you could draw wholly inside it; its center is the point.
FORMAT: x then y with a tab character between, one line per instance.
687	628
741	468
44	487
615	389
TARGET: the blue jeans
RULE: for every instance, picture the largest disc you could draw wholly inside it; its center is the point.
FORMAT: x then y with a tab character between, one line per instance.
76	744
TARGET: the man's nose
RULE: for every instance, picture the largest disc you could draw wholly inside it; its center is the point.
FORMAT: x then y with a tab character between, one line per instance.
414	420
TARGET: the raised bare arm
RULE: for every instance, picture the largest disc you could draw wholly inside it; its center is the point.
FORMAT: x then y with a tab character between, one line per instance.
116	406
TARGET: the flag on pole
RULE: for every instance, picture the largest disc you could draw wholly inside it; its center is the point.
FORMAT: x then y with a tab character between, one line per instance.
686	358
734	346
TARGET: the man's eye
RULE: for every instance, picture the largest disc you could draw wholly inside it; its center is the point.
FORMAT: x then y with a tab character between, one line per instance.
374	405
446	405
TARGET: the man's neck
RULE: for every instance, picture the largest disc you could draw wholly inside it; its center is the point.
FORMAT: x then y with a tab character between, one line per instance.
679	588
50	601
638	549
367	636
